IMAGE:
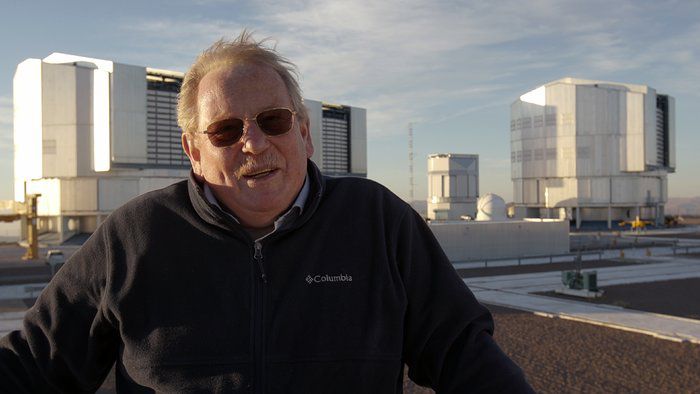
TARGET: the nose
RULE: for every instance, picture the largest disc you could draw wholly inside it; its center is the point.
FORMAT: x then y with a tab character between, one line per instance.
254	140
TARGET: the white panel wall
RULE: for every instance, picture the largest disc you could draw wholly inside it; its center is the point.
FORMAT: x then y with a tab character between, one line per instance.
473	185
453	185
79	194
59	120
464	241
83	116
530	191
315	110
562	99
438	164
566	156
561	192
516	162
624	190
447	185
584	190
651	190
113	193
435	186
598	129
528	140
600	190
150	184
663	185
101	121
516	169
358	140
27	120
464	172
64	58
518	191
632	138
128	95
602	132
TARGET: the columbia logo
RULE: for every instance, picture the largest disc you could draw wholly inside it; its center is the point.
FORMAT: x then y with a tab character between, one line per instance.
328	278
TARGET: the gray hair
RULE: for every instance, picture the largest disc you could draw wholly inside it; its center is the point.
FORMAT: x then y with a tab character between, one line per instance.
241	50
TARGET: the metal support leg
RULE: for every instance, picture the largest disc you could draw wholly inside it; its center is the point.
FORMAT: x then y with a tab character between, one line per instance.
578	218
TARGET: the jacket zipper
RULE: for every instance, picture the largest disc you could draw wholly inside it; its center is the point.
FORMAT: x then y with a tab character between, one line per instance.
259	258
259	333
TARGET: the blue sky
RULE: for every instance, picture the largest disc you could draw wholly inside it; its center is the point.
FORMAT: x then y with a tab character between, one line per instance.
452	68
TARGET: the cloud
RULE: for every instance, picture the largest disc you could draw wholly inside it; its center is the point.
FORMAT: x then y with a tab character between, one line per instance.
411	60
397	60
214	2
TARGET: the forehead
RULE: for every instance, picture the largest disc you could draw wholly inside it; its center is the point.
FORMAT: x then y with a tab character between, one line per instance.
240	90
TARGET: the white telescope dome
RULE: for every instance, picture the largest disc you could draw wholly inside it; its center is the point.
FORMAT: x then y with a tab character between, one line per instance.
491	207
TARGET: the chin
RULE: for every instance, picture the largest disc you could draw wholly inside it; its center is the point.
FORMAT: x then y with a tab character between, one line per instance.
269	200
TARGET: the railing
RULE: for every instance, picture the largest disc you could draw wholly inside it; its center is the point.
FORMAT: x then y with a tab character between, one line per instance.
572	256
564	257
687	248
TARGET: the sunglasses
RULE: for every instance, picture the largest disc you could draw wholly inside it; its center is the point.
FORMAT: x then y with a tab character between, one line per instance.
273	121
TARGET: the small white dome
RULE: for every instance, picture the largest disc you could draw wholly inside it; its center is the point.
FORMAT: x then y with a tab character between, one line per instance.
491	207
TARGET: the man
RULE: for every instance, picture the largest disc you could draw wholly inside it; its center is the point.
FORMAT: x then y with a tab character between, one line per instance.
257	274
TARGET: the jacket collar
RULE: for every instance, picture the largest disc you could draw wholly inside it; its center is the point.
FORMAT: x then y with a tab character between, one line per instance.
214	215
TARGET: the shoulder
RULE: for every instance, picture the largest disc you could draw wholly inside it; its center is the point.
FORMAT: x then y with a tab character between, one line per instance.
361	193
156	205
351	186
168	197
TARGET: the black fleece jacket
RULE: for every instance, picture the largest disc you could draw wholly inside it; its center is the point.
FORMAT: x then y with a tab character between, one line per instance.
172	289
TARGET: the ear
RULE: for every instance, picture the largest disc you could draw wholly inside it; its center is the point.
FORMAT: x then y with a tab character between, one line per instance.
191	150
305	130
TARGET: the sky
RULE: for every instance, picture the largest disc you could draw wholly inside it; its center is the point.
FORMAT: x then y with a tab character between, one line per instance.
451	68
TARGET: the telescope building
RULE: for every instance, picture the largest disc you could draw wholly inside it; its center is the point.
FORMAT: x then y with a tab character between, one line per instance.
90	134
592	151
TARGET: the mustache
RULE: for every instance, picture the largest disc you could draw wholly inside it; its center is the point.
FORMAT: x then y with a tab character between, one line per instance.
253	165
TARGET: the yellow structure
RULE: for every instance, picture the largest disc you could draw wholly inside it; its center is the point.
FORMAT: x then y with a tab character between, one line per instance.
637	224
29	210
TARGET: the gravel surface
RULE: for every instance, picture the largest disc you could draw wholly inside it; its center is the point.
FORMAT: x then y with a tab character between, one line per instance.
679	297
560	356
565	356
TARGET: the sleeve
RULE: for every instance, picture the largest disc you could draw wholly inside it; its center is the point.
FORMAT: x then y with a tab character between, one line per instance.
447	333
67	343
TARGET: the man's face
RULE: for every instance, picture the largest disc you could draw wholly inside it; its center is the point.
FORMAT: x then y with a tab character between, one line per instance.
259	175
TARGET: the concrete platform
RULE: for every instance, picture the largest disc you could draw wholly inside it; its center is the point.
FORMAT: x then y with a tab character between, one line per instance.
668	327
513	291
